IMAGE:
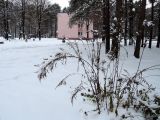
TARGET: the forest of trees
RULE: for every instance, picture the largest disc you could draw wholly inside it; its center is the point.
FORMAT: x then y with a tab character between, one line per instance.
114	19
24	18
121	19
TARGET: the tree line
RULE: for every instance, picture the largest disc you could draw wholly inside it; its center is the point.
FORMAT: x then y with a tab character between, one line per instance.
120	19
25	18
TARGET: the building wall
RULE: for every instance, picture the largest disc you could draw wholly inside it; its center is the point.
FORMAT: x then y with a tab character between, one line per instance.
74	32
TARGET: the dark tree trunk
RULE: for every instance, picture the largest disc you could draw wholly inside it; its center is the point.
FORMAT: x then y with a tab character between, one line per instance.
51	27
118	26
39	29
39	17
39	24
158	40
87	28
151	30
103	38
20	32
39	20
126	23
55	28
15	31
142	10
23	19
106	25
131	22
142	41
6	26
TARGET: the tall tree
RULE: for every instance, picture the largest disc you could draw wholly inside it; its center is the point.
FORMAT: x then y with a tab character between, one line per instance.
15	20
39	19
116	35
152	19
22	4
106	24
23	17
87	27
130	22
39	16
87	9
158	40
5	19
126	22
142	10
41	11
52	11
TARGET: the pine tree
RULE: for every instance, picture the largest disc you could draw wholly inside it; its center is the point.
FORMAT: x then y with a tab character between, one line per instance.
130	22
23	17
5	19
106	25
126	23
152	19
158	40
39	16
116	36
142	10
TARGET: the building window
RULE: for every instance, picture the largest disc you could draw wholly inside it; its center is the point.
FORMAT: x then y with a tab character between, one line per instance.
80	25
80	34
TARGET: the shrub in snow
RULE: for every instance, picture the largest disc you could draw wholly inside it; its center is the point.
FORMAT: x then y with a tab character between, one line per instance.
103	82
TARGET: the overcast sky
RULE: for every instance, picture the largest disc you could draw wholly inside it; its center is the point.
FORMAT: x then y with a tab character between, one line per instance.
62	3
65	3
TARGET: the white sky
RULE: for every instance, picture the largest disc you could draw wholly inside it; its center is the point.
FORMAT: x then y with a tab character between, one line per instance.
62	3
65	3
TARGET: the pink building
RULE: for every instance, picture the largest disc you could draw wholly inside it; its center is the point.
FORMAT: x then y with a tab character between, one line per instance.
77	31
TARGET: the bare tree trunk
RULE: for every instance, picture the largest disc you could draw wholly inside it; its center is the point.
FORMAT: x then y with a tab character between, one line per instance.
143	35
140	28
51	27
158	40
130	22
126	23
23	18
106	25
87	28
55	28
39	16
151	30
6	26
39	26
116	35
15	31
20	32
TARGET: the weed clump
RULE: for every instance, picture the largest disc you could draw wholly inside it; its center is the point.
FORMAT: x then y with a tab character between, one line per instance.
103	82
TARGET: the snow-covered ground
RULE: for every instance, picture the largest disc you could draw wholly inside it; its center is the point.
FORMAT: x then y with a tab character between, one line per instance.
24	97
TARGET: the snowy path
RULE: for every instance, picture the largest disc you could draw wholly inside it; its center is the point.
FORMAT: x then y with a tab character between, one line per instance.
22	96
